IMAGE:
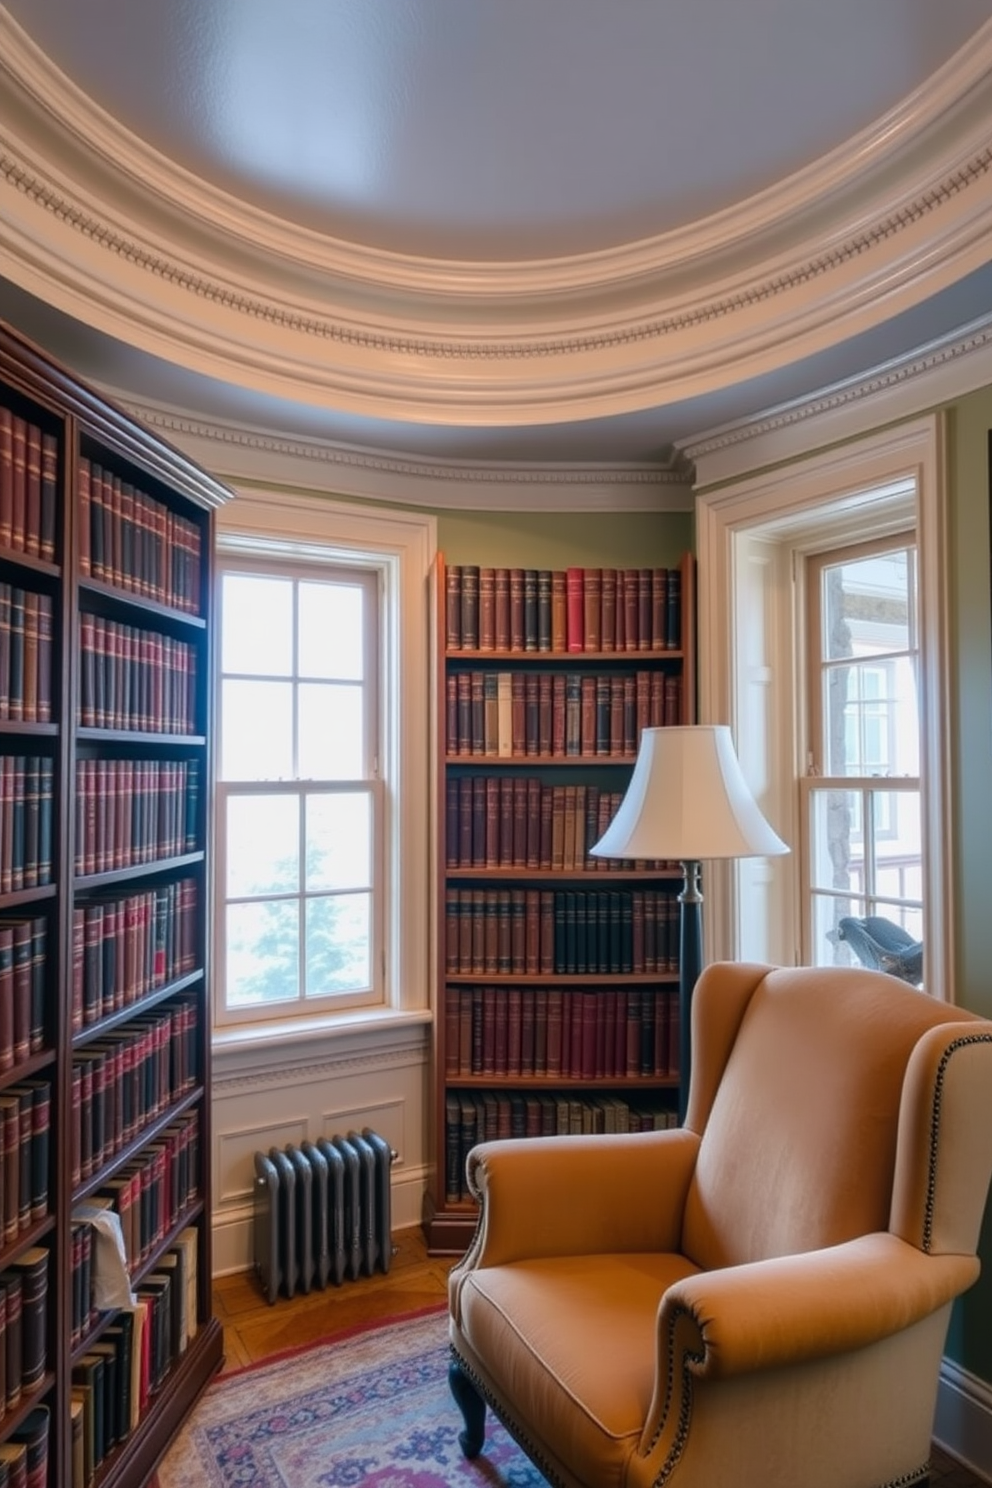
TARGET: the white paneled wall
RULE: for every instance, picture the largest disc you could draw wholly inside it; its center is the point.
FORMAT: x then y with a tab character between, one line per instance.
317	1085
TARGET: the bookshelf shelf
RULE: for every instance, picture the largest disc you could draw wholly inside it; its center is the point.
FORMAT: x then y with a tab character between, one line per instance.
556	1006
106	541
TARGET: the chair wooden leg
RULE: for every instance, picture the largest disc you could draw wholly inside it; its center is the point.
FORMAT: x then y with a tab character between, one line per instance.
472	1407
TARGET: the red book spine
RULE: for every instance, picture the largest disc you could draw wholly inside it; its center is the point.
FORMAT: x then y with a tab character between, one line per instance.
575	596
644	609
631	608
516	609
559	610
592	609
501	605
487	609
659	608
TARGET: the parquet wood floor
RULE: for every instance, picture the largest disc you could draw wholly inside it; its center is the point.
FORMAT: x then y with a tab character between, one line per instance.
254	1331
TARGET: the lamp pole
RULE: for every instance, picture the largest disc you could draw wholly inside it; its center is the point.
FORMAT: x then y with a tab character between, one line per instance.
690	965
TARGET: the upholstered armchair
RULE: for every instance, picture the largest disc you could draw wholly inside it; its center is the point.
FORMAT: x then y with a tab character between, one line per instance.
760	1298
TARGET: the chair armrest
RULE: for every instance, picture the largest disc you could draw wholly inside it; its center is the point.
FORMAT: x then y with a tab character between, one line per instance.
778	1312
547	1196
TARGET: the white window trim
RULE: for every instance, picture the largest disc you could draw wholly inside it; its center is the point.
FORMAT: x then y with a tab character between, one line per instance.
298	525
864	488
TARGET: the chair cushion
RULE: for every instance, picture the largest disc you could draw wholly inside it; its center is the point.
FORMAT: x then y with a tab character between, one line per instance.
572	1342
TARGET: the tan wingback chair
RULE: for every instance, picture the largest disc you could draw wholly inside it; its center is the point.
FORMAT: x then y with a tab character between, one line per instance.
759	1299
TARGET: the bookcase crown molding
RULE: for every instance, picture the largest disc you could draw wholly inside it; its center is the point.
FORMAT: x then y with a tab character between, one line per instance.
107	229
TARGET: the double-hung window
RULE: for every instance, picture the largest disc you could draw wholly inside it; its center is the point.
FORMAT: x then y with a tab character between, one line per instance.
300	792
861	792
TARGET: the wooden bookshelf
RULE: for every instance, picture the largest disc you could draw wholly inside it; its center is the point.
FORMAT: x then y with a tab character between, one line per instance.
106	540
556	1004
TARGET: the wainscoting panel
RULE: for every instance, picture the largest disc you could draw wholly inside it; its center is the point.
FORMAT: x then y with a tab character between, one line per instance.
314	1088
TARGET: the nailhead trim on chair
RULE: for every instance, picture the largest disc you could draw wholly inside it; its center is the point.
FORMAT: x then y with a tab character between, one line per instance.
974	1038
685	1404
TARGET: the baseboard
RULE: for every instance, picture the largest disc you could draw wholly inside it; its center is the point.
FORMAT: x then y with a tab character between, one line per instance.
963	1421
232	1226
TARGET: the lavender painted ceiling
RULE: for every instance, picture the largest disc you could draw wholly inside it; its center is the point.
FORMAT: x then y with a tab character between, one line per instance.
498	132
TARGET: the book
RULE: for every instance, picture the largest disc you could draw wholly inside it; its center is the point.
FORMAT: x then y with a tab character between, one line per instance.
33	1433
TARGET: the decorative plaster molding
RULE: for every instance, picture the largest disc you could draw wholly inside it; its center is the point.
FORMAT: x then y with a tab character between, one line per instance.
300	1072
944	369
103	227
246	453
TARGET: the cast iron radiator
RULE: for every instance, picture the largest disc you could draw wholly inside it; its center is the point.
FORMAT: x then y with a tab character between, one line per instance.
322	1212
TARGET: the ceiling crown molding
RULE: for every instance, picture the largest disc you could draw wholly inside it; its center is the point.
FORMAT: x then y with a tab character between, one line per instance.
103	227
248	454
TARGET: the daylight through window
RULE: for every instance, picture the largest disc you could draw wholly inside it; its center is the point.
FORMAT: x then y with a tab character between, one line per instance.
299	793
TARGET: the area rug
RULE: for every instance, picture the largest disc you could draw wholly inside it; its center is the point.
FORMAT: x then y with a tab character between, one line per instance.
370	1409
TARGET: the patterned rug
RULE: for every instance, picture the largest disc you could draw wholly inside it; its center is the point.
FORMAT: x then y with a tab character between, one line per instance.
370	1409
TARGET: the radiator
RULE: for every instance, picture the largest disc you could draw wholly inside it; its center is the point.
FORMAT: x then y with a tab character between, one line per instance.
322	1212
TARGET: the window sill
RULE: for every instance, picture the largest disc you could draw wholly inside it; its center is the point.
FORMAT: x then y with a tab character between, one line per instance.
266	1045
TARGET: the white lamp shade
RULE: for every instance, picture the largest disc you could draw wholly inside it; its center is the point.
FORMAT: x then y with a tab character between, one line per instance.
688	799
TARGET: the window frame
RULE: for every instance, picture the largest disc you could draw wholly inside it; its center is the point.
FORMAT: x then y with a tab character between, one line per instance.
750	532
398	548
303	788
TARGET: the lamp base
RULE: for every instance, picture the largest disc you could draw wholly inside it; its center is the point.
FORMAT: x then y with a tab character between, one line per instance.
690	965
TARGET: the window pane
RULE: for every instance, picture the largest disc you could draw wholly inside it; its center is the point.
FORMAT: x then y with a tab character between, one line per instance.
332	743
338	944
835	843
332	636
256	730
263	845
339	841
872	715
829	946
898	858
257	631
262	953
867	606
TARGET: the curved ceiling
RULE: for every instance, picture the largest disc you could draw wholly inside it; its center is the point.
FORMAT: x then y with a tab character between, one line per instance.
497	230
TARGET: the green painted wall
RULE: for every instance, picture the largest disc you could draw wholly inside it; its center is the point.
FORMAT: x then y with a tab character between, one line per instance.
558	539
970	1338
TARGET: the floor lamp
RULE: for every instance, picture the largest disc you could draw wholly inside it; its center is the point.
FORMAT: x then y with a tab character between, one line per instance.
688	800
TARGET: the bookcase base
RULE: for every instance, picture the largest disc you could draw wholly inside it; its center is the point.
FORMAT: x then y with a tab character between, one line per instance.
135	1460
448	1234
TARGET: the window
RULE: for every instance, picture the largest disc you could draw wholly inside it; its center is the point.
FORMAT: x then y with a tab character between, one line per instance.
298	789
322	814
861	794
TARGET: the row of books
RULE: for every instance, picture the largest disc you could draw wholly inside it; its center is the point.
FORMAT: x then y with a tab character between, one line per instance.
26	783
471	1117
135	679
124	948
26	624
23	1324
25	1452
28	486
556	715
606	1033
544	932
153	1190
23	943
114	1379
25	1127
128	1079
555	610
134	811
135	542
518	821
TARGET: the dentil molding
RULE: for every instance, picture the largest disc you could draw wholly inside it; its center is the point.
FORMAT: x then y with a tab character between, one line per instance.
106	229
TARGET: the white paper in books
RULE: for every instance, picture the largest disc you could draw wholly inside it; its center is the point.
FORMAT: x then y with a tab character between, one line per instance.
111	1283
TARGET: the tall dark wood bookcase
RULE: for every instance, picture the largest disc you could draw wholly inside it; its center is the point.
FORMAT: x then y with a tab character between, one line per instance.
106	540
556	1006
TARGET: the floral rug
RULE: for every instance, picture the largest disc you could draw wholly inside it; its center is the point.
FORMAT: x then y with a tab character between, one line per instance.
370	1409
